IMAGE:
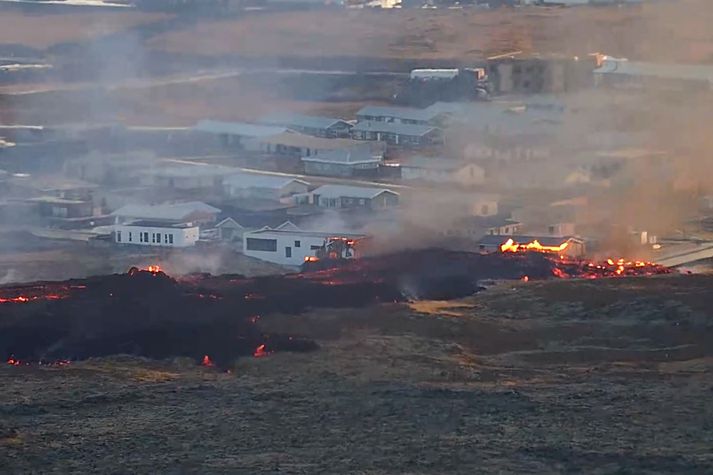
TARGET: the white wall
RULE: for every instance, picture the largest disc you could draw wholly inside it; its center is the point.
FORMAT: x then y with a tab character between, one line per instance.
284	240
182	237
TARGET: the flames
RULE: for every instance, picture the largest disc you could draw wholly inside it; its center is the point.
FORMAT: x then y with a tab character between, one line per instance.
261	351
311	258
512	246
154	269
206	361
12	361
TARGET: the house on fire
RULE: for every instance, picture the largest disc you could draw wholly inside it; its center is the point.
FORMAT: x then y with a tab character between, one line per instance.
263	187
359	197
397	133
358	161
327	127
571	246
289	245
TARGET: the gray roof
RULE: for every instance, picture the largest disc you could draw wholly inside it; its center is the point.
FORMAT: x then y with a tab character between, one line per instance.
299	232
166	211
665	71
350	156
302	120
412	130
242	129
189	171
409	113
254	180
339	191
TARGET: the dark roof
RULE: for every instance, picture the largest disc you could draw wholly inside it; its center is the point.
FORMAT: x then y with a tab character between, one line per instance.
303	121
412	130
544	240
407	113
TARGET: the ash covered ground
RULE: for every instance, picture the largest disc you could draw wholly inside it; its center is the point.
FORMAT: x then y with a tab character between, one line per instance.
595	376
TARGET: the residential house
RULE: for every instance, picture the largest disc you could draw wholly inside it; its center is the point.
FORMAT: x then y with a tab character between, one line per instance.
237	134
264	187
63	208
326	127
156	233
441	170
289	245
401	115
294	144
230	230
396	133
187	177
343	196
346	162
171	213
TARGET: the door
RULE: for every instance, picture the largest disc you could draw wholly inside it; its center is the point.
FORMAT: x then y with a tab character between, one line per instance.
288	251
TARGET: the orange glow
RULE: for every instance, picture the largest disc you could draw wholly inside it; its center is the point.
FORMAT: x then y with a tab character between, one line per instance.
207	361
311	258
512	246
154	269
25	299
12	361
525	279
260	351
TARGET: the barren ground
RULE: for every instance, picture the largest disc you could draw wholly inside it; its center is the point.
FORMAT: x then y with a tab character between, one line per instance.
595	377
661	31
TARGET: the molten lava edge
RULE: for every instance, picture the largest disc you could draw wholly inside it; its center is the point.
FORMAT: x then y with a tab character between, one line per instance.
213	319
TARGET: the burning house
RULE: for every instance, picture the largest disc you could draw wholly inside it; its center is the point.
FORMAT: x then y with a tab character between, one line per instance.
289	245
569	246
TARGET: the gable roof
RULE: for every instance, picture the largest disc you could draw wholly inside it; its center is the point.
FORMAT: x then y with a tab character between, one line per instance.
414	130
351	155
255	180
231	222
408	113
302	120
243	129
338	191
166	211
294	139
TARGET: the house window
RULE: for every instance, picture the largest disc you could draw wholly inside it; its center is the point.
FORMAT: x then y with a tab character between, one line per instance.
170	238
130	237
288	251
118	236
165	238
298	244
314	248
258	244
362	201
146	237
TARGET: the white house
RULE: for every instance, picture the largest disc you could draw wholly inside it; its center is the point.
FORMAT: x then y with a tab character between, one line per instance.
287	244
192	211
257	186
441	170
156	233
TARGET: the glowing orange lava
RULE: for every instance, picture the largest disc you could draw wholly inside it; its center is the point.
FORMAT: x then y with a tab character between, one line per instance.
154	269
260	351
207	361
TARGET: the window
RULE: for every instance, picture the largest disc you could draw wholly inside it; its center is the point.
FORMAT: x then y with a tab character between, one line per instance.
158	238
257	244
362	201
130	236
118	236
170	238
165	238
288	251
146	237
298	244
314	248
141	237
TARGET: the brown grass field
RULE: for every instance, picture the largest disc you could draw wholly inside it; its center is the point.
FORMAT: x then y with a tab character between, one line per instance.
663	31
